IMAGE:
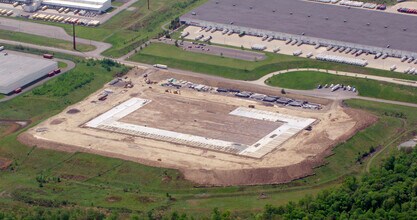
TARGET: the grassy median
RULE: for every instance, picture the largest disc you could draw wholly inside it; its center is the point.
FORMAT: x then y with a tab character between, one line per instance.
307	80
176	57
43	41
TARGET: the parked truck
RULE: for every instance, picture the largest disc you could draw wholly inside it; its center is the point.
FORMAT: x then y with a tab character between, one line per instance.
161	66
48	56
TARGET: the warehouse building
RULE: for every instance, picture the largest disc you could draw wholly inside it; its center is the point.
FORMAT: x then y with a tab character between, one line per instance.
16	71
88	5
312	23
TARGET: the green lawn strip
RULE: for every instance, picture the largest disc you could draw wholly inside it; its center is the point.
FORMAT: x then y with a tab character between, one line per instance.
43	41
240	69
89	180
307	80
117	3
62	65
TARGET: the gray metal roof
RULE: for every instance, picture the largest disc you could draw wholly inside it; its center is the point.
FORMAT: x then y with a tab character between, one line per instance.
310	18
17	70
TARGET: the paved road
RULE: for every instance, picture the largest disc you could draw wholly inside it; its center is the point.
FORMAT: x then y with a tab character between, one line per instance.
50	32
322	93
259	82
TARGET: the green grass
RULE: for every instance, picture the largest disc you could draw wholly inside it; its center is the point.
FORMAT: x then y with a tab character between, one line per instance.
89	180
129	29
239	69
306	80
43	41
62	65
117	4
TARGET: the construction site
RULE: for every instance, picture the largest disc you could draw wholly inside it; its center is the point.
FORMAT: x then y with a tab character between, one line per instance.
204	126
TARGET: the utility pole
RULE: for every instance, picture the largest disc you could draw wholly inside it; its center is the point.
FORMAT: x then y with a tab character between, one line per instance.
73	36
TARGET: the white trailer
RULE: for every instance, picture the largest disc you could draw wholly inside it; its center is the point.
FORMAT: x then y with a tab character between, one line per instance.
160	66
336	87
185	34
199	37
297	53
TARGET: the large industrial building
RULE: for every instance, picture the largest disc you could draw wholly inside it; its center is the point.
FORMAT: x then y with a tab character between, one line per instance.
312	23
16	71
89	5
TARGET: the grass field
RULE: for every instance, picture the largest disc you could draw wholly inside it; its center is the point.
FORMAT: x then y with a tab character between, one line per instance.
129	29
42	41
93	181
89	180
245	70
62	65
307	80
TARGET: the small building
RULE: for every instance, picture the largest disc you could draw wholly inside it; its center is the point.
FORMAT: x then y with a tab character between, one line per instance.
269	99
222	90
234	90
296	103
283	100
243	94
258	96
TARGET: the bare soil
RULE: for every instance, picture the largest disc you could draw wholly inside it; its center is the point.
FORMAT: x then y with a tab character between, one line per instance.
293	159
201	118
5	163
73	111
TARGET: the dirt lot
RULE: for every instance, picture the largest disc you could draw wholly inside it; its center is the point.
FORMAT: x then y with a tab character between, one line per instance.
294	159
4	163
201	118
